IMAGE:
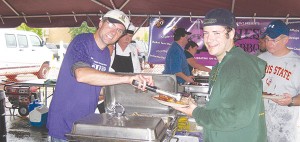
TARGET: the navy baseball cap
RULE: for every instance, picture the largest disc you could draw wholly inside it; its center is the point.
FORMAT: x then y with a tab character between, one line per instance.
219	16
181	32
276	28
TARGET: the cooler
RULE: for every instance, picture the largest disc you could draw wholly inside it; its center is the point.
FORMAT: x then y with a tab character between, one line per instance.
38	117
34	104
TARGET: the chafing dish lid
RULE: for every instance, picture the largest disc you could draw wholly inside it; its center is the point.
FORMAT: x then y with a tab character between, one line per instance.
125	127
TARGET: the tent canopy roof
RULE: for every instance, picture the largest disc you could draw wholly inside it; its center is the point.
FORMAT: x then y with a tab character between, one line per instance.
71	13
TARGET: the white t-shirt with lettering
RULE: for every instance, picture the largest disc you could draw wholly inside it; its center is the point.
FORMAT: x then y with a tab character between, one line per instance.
282	76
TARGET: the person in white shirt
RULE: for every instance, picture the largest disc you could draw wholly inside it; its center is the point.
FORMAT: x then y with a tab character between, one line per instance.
282	80
124	57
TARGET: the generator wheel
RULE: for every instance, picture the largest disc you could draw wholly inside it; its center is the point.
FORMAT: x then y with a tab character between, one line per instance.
23	110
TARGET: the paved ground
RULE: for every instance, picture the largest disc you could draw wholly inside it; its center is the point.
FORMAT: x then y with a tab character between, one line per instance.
19	130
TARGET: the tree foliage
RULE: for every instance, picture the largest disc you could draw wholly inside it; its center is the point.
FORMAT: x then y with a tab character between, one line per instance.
24	27
84	28
146	36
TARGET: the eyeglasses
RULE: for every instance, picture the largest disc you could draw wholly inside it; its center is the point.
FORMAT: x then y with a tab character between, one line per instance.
274	41
214	33
113	26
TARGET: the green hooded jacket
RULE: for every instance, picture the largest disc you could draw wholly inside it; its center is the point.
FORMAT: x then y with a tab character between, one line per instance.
235	111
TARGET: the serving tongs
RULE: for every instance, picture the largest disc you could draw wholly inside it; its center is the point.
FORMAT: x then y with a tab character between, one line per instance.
155	89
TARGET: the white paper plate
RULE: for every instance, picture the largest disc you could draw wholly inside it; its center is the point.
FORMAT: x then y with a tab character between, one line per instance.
168	103
185	139
272	97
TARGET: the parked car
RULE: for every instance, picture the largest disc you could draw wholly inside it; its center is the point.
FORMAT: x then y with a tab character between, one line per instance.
58	51
23	52
54	48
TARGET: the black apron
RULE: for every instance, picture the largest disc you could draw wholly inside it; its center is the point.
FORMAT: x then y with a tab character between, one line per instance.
122	63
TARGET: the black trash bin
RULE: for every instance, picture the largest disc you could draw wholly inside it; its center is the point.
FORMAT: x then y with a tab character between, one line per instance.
2	117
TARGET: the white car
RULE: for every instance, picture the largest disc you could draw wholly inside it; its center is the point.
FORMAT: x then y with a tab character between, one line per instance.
23	52
58	50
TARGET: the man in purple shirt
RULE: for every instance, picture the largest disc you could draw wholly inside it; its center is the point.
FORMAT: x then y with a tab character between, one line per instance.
83	72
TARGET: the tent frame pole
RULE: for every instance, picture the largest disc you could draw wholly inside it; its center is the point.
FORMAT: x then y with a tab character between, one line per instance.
134	15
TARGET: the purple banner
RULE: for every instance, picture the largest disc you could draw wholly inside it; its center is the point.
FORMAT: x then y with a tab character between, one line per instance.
161	35
294	39
249	30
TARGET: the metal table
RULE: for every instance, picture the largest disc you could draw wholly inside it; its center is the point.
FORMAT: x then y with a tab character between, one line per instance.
45	83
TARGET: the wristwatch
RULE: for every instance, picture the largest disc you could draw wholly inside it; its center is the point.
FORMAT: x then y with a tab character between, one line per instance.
292	103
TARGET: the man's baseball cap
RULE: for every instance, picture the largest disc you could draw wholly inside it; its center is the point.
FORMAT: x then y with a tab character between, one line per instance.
276	28
117	16
130	29
219	16
181	32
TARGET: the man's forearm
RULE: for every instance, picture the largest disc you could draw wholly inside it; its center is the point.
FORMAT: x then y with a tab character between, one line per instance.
95	77
202	68
196	65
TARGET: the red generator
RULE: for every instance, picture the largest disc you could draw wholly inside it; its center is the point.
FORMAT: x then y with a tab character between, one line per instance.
21	96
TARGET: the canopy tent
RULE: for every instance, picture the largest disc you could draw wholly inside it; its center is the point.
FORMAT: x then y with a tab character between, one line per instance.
71	13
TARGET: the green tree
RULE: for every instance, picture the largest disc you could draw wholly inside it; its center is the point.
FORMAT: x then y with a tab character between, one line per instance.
24	27
84	28
146	36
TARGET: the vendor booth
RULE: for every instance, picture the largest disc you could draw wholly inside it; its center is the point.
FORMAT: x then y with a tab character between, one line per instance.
138	116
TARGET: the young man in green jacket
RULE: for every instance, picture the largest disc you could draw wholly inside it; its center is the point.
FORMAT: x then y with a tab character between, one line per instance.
235	110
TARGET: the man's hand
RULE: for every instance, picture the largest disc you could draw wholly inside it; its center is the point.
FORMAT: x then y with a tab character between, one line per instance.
189	79
143	80
285	101
187	110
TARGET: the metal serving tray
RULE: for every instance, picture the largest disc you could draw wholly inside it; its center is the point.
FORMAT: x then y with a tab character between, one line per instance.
136	101
108	128
195	89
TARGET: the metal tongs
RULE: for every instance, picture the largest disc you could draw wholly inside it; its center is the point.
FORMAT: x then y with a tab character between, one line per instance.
155	89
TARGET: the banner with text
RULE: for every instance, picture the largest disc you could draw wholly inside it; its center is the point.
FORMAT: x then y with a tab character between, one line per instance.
249	30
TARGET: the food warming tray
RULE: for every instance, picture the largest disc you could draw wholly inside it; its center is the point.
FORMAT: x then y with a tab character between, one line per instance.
141	119
136	101
108	128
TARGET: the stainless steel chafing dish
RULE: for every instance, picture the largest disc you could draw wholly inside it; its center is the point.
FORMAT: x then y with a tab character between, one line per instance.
198	89
107	128
131	115
199	86
201	79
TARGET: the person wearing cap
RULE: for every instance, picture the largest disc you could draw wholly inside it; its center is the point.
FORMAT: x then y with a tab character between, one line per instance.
83	73
234	111
283	79
124	57
190	49
176	62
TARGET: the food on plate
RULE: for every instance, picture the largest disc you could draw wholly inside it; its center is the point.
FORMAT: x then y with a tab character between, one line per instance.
272	96
183	101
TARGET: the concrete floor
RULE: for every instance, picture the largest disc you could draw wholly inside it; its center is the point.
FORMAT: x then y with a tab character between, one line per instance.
19	130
